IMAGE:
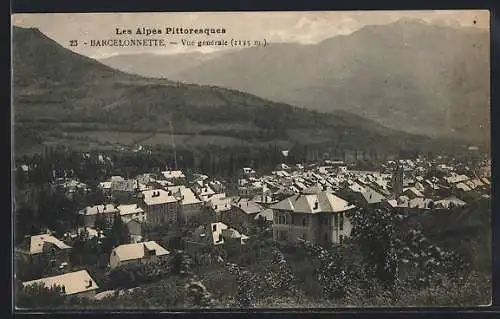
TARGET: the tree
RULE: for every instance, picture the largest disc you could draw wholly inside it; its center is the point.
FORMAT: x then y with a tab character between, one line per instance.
100	222
38	296
119	232
374	231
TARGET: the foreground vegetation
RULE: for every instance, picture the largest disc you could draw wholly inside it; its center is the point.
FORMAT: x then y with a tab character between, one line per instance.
380	266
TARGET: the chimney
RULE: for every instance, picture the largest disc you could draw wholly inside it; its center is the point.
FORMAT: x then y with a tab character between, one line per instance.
148	252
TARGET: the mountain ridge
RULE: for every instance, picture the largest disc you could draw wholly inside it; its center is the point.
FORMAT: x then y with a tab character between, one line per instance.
412	76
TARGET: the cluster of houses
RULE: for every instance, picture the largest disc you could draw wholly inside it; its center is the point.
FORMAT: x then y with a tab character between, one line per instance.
293	202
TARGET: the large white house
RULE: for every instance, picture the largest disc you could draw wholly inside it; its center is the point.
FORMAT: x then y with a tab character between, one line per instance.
318	218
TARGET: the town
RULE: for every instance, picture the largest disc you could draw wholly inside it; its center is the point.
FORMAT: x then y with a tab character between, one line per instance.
102	242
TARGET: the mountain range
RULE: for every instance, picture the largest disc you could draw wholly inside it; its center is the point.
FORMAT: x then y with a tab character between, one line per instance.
408	75
57	92
158	65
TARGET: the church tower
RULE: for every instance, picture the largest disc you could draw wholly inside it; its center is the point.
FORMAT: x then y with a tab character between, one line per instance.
397	180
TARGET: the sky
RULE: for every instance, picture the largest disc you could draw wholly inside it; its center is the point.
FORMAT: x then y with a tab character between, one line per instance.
299	27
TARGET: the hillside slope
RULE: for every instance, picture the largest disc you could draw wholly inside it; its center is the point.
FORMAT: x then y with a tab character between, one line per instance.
56	89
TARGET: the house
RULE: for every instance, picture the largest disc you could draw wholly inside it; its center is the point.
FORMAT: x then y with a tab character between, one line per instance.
90	213
218	205
449	203
190	207
252	189
91	233
146	179
70	186
45	246
242	213
319	218
124	187
78	283
248	171
133	211
264	219
203	191
136	253
212	235
362	196
105	187
404	204
160	206
264	200
176	177
413	192
217	186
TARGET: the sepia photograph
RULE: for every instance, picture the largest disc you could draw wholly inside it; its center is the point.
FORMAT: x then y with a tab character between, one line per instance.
251	160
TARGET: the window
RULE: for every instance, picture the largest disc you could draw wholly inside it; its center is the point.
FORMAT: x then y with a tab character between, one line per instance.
283	219
335	221
283	235
341	221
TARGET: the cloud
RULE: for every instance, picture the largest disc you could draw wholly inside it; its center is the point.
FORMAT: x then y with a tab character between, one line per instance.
302	27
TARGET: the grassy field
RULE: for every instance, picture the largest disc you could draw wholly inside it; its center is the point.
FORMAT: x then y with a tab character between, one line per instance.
113	137
191	140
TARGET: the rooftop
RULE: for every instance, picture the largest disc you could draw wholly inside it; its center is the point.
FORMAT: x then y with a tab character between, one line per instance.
317	203
73	282
136	251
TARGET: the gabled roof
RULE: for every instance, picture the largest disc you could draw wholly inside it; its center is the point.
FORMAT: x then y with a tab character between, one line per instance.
266	213
463	187
128	185
445	202
414	191
184	194
371	196
37	242
247	206
314	189
100	209
73	282
136	251
130	209
173	174
219	202
305	203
